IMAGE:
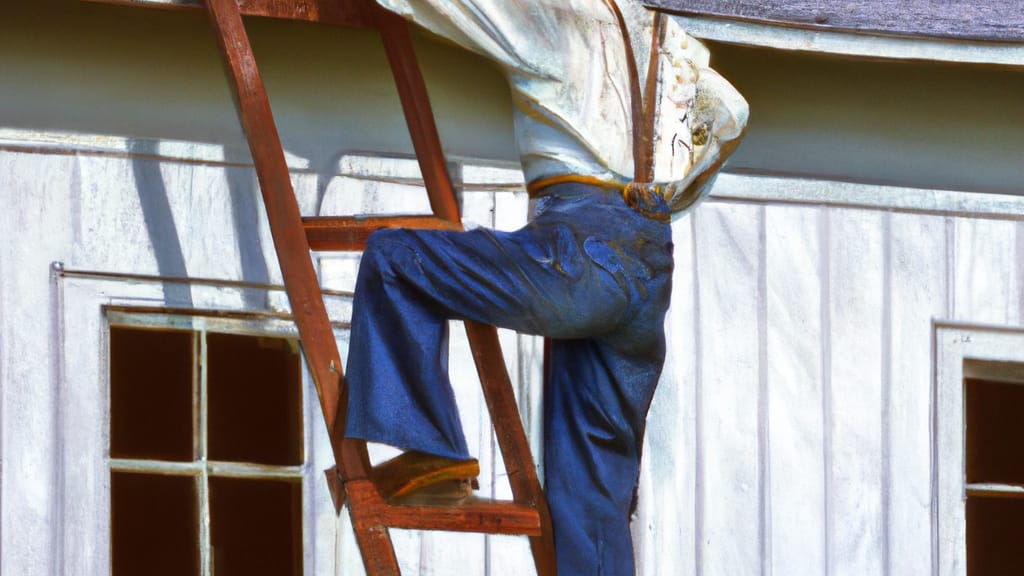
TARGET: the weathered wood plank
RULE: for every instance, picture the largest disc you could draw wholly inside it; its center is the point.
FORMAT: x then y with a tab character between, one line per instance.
853	375
728	505
986	279
351	233
35	192
998	20
794	372
917	292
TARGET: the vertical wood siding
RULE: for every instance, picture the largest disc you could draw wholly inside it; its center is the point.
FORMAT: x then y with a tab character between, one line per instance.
791	433
793	364
730	501
833	421
854	354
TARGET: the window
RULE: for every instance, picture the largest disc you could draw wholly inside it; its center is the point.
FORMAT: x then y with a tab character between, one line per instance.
995	475
206	453
979	475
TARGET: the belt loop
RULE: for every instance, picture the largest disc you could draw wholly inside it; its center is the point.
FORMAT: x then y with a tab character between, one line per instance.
647	200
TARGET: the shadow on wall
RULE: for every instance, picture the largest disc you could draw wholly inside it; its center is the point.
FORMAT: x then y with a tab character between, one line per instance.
245	210
160	224
164	231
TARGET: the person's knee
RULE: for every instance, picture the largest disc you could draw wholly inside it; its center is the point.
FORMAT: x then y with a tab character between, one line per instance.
387	250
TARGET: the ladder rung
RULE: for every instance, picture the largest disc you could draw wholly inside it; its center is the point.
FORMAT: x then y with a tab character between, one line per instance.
336	233
480	515
485	516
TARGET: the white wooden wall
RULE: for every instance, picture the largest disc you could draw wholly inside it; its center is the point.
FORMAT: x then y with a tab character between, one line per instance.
790	434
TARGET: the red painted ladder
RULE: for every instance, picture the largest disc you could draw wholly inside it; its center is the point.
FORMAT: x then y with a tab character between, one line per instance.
352	480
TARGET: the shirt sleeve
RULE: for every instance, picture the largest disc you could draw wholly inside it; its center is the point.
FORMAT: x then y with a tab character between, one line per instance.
515	36
700	121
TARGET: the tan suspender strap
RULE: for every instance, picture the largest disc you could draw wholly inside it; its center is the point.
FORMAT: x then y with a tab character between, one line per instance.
645	171
643	124
636	99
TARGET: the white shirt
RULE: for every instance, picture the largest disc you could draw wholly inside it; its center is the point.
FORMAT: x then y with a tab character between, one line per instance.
566	62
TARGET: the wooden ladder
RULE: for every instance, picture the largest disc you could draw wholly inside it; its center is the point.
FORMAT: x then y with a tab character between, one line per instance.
352	479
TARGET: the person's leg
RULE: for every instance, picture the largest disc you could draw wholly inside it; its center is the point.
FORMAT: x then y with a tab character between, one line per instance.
597	395
537	280
595	406
591	273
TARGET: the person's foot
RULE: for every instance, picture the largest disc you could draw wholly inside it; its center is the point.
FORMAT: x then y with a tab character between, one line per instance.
417	477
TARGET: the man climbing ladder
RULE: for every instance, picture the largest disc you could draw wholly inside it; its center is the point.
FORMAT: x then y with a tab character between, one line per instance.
592	271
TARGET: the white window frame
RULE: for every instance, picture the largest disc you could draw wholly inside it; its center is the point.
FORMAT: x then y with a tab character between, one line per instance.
88	304
961	350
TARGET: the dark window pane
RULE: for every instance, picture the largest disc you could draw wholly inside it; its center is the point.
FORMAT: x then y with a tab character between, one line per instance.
253	391
154	526
995	432
256	527
150	394
995	531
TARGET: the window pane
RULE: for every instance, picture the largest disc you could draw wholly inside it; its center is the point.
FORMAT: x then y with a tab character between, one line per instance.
256	527
253	391
150	394
995	531
995	432
153	523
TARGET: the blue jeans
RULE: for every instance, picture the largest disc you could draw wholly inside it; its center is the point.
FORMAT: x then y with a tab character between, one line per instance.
589	272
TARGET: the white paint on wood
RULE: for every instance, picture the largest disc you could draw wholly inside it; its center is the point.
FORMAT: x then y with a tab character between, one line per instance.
986	277
795	424
1004	490
957	344
86	479
728	265
731	474
664	534
34	221
917	290
816	192
853	381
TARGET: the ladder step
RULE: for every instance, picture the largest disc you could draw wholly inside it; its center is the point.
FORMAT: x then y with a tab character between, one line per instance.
341	233
473	515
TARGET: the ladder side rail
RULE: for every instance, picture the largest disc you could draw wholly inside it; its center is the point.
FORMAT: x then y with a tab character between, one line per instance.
483	339
511	437
279	198
419	115
304	292
282	208
301	282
